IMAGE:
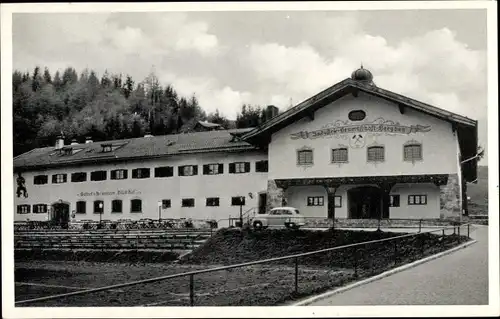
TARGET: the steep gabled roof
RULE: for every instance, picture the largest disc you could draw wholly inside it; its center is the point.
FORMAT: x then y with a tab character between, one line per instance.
134	148
466	127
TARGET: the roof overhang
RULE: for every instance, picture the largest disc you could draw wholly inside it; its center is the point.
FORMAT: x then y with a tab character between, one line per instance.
465	127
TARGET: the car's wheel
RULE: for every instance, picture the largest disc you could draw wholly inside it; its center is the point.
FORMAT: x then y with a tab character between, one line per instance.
290	225
257	225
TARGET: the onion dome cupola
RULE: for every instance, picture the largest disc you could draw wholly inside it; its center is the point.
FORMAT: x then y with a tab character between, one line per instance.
362	75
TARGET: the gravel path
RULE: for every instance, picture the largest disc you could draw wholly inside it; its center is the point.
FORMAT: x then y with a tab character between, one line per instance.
460	278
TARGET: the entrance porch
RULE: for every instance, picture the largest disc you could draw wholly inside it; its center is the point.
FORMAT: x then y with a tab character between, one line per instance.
366	197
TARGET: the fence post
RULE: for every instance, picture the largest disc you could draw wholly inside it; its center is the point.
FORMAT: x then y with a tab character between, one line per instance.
191	290
421	246
355	261
468	231
296	274
395	252
458	228
442	238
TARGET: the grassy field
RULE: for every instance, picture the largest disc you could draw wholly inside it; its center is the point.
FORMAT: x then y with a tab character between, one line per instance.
258	285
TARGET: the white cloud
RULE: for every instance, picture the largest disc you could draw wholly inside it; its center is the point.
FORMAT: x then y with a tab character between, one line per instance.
210	94
434	67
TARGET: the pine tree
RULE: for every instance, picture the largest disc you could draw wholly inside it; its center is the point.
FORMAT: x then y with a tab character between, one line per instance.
128	87
47	78
36	81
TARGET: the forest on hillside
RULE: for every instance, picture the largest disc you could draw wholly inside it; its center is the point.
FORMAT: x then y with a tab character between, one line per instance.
112	106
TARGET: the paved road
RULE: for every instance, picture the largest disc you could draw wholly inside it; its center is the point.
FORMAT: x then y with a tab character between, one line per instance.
460	278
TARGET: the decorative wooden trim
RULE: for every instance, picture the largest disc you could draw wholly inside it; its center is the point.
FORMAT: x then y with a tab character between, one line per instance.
310	114
402	108
383	181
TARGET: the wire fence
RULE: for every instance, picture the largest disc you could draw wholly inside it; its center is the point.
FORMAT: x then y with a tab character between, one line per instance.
286	277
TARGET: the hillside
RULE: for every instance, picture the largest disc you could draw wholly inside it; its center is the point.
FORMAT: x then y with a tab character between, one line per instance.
478	193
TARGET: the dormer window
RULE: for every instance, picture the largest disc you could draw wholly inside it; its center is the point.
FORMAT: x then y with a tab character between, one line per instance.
106	148
67	150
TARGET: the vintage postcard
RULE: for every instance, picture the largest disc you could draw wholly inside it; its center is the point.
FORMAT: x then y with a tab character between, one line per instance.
246	159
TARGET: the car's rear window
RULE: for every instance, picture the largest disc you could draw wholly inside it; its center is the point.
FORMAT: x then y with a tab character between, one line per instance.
297	211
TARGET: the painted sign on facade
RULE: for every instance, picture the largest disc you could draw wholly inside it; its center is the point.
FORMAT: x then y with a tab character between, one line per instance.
110	193
379	126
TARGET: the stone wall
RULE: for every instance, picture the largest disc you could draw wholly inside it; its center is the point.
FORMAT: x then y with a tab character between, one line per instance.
449	200
275	195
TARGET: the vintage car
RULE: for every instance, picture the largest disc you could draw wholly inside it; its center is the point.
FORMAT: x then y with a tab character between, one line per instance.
288	217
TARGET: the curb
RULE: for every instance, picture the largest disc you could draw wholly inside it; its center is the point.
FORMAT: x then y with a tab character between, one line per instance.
382	275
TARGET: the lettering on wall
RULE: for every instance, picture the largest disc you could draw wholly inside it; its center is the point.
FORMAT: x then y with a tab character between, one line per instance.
111	193
340	129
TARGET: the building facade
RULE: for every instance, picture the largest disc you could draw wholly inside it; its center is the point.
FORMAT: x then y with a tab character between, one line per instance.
352	151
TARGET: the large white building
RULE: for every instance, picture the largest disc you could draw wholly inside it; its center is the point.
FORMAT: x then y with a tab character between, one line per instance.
352	151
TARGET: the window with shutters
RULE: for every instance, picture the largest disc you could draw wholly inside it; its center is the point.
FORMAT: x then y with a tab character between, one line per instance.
23	209
239	167
139	173
376	154
315	201
59	178
417	199
394	201
213	201
213	169
188	202
262	166
164	171
119	174
116	206
166	203
412	152
238	201
98	207
81	207
136	206
98	176
40	208
40	179
305	157
79	177
339	155
188	170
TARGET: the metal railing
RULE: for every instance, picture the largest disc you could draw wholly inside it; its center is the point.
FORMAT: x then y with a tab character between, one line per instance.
191	274
122	224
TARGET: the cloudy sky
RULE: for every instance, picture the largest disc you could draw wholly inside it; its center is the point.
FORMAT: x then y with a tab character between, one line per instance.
273	57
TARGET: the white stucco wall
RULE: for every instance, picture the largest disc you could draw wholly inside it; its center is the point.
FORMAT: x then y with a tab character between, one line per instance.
431	210
439	145
297	197
151	190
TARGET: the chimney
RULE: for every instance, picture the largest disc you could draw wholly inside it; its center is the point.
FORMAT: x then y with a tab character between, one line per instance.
59	142
74	142
88	139
271	111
